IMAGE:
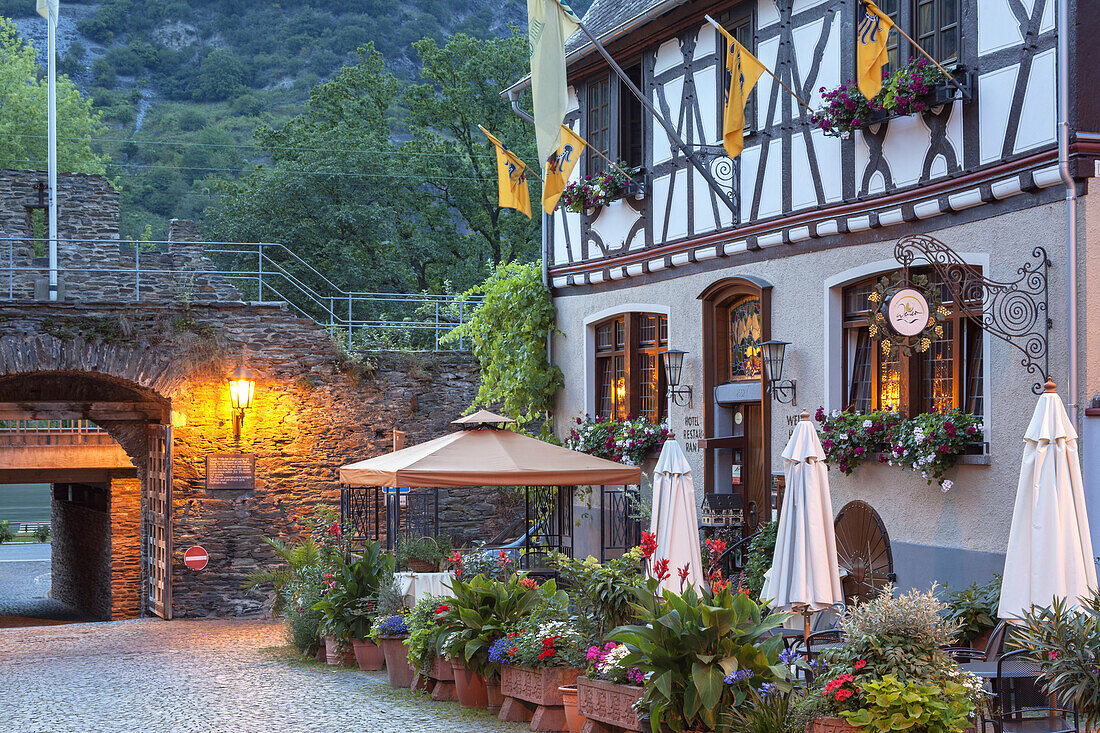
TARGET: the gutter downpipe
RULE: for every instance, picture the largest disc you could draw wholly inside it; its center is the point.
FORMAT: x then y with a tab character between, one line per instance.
1071	202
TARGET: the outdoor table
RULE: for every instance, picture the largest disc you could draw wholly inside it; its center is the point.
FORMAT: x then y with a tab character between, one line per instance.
414	586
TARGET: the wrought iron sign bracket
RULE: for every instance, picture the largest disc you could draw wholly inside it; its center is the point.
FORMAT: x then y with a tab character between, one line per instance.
1016	311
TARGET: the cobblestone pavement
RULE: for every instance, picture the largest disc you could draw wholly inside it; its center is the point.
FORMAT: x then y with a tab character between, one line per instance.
25	585
201	676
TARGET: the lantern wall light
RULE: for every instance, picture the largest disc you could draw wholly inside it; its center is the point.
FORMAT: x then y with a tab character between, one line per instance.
774	354
674	367
242	387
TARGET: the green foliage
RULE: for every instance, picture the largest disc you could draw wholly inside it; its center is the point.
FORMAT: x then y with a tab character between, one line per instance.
690	643
432	550
759	558
42	533
424	630
348	602
974	608
6	533
892	705
763	713
23	113
802	708
550	644
1066	642
509	331
601	594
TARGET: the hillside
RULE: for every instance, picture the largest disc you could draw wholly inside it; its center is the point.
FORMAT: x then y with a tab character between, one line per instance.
183	85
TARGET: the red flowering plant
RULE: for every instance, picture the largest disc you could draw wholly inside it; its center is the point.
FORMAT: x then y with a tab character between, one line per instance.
931	443
903	93
550	644
850	437
628	441
845	110
598	189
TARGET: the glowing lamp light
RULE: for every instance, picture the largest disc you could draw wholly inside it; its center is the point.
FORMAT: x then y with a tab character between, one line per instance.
242	387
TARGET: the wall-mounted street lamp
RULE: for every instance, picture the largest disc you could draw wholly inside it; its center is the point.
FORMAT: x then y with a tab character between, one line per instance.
674	367
774	353
242	387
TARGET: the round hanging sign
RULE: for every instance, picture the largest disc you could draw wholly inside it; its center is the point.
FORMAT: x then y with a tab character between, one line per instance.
196	557
907	312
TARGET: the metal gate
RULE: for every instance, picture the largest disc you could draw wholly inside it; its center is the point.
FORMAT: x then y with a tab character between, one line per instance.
156	529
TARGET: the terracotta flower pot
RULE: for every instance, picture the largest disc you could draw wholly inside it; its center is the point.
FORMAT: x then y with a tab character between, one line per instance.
470	686
533	694
399	672
830	725
607	705
369	655
496	698
320	654
337	657
573	718
443	677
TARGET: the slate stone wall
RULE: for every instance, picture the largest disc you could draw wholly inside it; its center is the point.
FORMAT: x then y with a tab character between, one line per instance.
125	499
80	572
314	410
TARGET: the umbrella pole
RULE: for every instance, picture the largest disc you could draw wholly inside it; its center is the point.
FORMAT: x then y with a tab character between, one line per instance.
806	612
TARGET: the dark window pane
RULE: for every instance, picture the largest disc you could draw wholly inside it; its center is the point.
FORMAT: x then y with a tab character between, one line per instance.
859	372
937	394
974	404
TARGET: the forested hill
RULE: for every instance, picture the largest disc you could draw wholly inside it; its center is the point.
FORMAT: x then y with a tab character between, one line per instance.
183	84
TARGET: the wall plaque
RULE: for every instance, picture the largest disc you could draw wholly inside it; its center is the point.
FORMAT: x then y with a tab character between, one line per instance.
230	472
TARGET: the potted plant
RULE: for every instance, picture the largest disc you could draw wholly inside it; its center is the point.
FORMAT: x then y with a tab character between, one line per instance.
600	189
425	554
609	690
546	658
423	647
347	606
974	608
390	633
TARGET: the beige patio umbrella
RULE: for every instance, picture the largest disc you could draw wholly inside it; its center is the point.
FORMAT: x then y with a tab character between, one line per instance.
483	454
805	574
1049	546
675	520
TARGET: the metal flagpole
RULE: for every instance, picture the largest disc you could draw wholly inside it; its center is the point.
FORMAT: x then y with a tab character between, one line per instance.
51	142
669	129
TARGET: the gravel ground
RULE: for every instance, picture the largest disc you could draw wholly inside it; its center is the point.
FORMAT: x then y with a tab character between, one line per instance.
201	676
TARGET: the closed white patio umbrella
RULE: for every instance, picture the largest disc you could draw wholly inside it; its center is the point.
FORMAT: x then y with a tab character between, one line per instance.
675	521
1049	546
805	573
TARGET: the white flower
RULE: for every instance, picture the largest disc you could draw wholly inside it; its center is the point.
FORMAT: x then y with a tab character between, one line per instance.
627	462
867	423
843	436
836	413
924	474
946	485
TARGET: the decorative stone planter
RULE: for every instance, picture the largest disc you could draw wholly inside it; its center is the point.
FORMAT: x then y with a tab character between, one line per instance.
470	686
369	655
338	658
830	725
443	680
533	694
398	670
607	706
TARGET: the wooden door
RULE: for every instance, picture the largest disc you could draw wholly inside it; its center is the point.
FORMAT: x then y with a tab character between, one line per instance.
156	503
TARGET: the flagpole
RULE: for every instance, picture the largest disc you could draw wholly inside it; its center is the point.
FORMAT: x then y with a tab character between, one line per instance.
948	74
526	167
790	91
669	129
51	144
597	152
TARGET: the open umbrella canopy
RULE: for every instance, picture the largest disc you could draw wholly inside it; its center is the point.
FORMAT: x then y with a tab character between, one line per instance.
481	455
1049	546
675	520
805	574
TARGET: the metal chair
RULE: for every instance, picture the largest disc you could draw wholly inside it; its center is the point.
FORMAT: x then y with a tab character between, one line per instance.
993	647
814	644
1022	706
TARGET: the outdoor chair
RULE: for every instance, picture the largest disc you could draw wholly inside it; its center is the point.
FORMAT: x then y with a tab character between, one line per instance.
816	643
1021	704
993	647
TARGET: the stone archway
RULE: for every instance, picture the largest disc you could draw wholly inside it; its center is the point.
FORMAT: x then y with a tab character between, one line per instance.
104	533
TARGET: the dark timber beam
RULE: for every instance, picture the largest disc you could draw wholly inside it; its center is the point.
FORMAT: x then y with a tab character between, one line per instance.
94	411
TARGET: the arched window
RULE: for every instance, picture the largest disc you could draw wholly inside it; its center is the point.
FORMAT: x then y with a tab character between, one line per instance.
743	320
948	375
629	376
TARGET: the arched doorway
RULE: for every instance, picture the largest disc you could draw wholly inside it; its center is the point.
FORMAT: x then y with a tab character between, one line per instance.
736	414
103	445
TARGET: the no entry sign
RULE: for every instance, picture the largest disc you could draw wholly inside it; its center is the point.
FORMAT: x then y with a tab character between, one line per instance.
196	557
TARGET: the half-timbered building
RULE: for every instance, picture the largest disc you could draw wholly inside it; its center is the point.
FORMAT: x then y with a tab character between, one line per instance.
805	223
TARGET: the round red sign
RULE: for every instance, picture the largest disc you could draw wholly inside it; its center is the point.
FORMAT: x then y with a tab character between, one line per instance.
196	557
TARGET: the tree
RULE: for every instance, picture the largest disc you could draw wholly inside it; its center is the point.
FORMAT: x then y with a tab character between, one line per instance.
23	113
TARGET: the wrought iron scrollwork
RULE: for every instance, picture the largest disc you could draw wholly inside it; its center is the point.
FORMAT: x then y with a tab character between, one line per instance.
1016	311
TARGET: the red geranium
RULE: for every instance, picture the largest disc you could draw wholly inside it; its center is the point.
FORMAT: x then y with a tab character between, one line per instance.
649	544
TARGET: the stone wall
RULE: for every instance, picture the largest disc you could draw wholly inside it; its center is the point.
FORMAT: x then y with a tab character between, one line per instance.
314	410
125	548
93	263
80	556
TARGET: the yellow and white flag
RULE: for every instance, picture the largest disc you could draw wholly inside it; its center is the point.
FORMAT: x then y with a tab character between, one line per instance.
871	36
46	7
511	178
744	70
550	23
559	166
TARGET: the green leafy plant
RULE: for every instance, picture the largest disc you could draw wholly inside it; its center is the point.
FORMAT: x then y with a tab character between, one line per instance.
759	558
348	602
974	608
762	712
1066	643
598	189
690	645
431	550
628	441
6	535
509	332
847	110
602	594
42	533
551	644
850	437
892	705
424	631
931	443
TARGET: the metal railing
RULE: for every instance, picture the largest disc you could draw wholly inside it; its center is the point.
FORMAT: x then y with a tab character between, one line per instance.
259	272
52	432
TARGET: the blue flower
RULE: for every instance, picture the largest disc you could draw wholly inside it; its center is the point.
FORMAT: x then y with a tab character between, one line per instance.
788	657
739	676
393	626
766	689
498	651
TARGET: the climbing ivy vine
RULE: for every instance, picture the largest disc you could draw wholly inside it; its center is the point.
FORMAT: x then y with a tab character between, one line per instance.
508	332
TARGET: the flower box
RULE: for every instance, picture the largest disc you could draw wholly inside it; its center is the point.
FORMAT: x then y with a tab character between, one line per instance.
533	694
442	675
607	706
830	725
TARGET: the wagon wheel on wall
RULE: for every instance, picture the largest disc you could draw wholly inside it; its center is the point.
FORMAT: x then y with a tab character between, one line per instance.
863	551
